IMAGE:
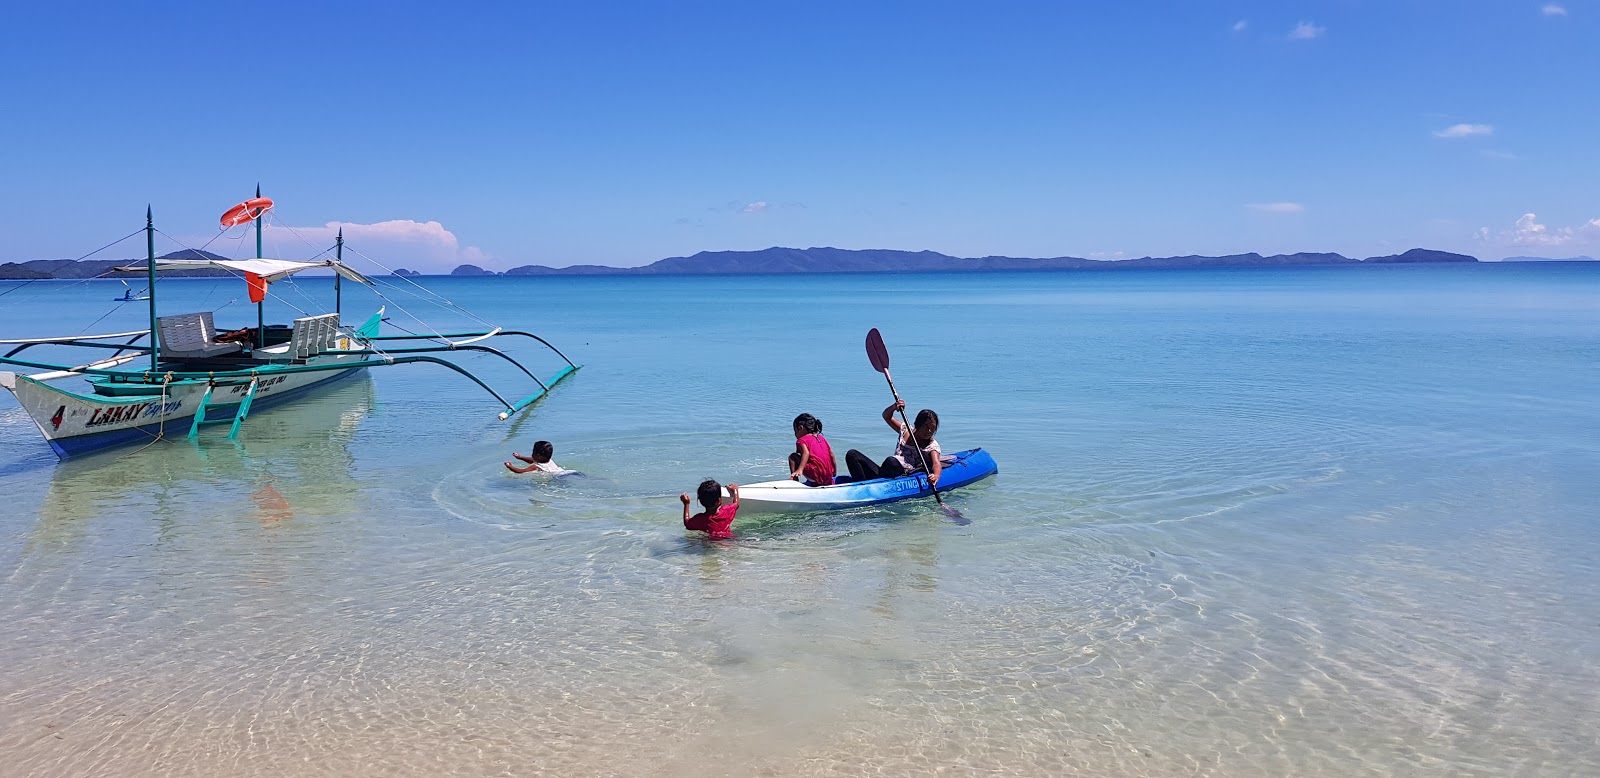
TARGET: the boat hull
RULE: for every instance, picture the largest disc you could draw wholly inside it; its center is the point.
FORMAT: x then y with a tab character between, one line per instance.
968	467
76	424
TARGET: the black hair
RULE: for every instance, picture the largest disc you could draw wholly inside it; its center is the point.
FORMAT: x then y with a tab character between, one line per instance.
543	449
710	493
926	416
808	423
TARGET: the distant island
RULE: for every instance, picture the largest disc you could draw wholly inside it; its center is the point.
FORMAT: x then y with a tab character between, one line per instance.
813	260
831	260
95	268
1548	259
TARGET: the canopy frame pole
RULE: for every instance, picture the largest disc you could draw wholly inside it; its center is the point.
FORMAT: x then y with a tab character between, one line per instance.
338	256
261	321
150	254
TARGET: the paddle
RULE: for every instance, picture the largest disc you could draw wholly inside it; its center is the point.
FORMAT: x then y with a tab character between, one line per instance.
878	354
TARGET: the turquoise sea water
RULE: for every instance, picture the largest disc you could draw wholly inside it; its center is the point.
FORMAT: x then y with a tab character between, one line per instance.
1247	522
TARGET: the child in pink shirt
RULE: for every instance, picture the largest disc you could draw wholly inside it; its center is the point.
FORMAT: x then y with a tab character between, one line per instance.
812	457
717	519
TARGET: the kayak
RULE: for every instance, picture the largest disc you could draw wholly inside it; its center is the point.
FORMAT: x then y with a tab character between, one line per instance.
960	469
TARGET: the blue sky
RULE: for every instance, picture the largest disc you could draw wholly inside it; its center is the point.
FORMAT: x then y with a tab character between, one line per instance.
622	133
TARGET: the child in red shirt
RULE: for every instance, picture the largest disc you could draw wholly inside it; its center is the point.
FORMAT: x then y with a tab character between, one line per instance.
717	519
812	457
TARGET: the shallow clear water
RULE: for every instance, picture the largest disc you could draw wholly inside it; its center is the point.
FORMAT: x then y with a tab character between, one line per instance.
1248	522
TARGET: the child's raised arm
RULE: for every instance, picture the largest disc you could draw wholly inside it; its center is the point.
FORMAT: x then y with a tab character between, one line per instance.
685	498
888	415
733	489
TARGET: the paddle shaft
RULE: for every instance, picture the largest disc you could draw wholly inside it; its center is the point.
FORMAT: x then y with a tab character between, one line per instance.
911	431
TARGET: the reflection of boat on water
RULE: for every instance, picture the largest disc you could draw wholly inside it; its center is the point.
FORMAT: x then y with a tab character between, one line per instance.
286	465
197	376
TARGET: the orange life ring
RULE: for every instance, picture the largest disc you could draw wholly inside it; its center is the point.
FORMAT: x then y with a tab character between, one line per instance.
246	211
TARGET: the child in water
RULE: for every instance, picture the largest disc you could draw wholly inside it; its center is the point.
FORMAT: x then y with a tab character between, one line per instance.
906	458
540	461
812	457
717	519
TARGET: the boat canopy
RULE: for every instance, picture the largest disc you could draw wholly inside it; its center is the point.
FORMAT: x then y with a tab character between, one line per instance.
270	270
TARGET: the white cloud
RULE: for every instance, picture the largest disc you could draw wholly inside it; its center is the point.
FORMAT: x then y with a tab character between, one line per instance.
1493	154
755	207
1240	25
400	243
1529	232
1553	10
1276	207
1464	131
1305	31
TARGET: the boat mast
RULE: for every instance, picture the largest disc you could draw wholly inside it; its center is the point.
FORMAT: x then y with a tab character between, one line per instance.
150	253
338	256
261	327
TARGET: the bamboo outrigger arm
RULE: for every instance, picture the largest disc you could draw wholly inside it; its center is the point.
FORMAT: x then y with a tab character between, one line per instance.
167	377
458	347
116	347
84	341
80	369
476	335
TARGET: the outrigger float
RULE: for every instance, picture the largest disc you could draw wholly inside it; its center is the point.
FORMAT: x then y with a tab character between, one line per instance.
196	377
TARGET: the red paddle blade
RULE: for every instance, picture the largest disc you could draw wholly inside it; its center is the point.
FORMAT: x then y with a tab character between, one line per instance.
876	351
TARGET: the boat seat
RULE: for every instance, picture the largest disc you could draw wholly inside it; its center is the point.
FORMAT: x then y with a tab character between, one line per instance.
191	336
309	337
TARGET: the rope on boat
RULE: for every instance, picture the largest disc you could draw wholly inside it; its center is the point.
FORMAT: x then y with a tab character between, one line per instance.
25	282
81	280
447	301
275	220
241	277
414	317
284	300
161	427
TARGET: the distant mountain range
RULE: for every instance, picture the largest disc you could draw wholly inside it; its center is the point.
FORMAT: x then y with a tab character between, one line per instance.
92	268
831	260
786	260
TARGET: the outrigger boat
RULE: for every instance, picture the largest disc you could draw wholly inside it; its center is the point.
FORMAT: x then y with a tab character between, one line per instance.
195	376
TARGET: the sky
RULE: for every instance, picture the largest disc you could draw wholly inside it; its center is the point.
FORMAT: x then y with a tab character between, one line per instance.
622	133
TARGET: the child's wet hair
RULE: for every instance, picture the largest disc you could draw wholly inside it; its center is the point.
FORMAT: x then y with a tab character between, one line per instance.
542	450
809	423
927	417
710	493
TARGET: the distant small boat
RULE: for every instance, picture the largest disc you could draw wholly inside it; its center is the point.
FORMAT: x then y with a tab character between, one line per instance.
960	469
129	295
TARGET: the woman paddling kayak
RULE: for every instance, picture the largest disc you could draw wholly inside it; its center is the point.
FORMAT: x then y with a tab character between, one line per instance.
905	458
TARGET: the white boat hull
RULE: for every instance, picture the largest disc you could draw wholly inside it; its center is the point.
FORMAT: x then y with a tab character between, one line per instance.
75	424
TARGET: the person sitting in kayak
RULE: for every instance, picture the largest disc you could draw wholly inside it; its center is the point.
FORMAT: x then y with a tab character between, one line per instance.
916	446
812	457
540	461
717	519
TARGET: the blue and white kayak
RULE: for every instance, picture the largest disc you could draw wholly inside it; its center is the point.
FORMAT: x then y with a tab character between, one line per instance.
960	469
